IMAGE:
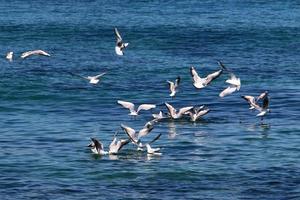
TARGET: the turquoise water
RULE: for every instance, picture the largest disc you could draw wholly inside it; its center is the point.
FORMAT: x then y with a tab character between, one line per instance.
47	116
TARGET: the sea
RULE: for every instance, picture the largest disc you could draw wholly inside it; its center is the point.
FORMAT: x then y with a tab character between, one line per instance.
48	113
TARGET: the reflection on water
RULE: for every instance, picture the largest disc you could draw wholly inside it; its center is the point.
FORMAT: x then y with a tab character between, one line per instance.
172	130
113	157
153	157
261	128
200	137
129	155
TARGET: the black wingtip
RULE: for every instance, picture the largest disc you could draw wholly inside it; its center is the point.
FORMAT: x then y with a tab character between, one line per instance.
222	65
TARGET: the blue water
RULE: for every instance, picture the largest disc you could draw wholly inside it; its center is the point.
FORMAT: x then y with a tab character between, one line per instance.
47	116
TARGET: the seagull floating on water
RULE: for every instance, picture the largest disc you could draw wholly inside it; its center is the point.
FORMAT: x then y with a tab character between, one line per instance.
199	82
235	85
116	145
134	112
177	115
158	116
9	56
35	52
97	147
173	86
153	151
195	113
120	46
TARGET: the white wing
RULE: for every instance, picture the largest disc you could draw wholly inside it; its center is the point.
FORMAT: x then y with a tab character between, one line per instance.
158	116
171	109
230	89
119	51
118	36
251	101
125	44
262	95
234	80
202	112
113	146
127	105
99	75
35	52
171	86
209	78
198	82
145	130
145	107
129	131
184	110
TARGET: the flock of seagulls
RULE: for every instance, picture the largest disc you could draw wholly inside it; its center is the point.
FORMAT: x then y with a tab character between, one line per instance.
194	113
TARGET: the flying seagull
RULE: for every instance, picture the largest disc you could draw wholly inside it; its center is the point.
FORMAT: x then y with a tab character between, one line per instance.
199	82
130	106
92	79
173	86
196	113
9	56
176	115
264	109
35	52
120	46
135	137
235	85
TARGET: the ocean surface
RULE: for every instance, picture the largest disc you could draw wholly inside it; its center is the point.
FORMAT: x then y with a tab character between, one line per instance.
47	116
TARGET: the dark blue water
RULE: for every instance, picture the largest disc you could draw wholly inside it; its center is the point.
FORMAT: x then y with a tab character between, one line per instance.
47	116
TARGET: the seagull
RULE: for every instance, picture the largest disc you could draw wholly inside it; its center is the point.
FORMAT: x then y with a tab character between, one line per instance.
262	95
173	86
92	79
199	82
251	100
235	85
264	109
119	44
176	115
158	116
152	151
195	113
35	52
115	146
97	147
134	112
135	137
9	56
